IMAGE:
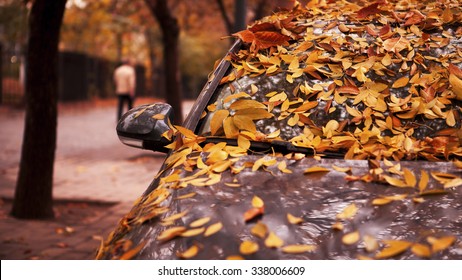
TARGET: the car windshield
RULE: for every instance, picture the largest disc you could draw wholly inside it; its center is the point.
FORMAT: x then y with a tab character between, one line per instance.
330	92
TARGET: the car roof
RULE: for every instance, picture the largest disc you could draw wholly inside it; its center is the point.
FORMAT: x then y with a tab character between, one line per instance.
220	199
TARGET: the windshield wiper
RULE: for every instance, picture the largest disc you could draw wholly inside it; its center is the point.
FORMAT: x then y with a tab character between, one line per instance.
274	146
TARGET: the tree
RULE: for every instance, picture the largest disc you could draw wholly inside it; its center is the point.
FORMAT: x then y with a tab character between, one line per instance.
170	41
33	196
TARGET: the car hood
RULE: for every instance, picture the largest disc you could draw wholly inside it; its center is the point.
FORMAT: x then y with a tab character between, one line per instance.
338	209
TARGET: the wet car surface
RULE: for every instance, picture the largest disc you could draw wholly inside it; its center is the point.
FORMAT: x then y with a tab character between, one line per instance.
322	135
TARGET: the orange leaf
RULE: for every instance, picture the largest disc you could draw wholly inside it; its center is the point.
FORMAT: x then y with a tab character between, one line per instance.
369	10
253	213
394	247
298	248
351	238
248	247
217	120
401	82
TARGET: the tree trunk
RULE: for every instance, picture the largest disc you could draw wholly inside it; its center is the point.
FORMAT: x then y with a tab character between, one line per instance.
33	197
170	41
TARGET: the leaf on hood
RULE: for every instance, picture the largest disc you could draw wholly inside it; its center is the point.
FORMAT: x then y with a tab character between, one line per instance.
315	169
273	241
423	181
199	222
259	230
351	238
257	202
248	247
421	250
293	219
394	248
253	213
171	233
348	212
298	248
212	229
193	232
189	253
440	244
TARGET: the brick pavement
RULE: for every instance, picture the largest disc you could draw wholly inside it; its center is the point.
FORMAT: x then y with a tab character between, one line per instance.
92	168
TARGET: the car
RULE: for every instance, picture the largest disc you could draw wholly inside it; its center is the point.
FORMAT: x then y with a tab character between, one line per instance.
330	131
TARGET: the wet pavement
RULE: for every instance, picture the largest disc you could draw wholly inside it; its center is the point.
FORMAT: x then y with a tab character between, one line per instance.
96	179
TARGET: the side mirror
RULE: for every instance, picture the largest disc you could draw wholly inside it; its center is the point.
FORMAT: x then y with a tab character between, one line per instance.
142	127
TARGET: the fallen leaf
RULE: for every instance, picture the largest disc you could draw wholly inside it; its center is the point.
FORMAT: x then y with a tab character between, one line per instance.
257	202
171	233
440	244
315	169
370	243
298	248
394	248
259	230
217	120
421	250
294	220
351	238
348	212
248	247
253	213
199	222
189	253
212	229
401	82
368	10
273	241
193	232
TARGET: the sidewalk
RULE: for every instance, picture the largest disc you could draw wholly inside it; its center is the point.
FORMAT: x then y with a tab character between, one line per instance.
96	181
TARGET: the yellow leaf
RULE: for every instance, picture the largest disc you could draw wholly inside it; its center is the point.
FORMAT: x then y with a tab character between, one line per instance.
456	84
159	116
453	183
246	104
421	250
440	244
257	202
294	220
254	114
394	247
217	120
199	222
133	252
193	232
351	238
243	122
348	213
298	248
231	131
315	169
341	169
457	163
174	217
409	178
370	243
253	88
401	82
253	213
259	230
170	233
248	247
381	201
423	181
212	229
234	258
186	132
395	182
189	253
273	241
450	118
235	96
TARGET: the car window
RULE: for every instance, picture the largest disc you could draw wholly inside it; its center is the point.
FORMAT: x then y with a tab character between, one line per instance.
345	91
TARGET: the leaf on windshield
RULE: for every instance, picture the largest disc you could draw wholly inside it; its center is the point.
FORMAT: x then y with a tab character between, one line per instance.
217	120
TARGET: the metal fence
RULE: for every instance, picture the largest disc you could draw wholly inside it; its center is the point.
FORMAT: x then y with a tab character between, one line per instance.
81	77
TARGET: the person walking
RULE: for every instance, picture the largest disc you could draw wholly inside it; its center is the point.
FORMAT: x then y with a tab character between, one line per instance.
125	80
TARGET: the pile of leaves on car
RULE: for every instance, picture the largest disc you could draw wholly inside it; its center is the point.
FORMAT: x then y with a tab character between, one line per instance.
378	81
